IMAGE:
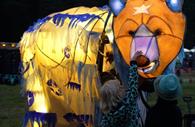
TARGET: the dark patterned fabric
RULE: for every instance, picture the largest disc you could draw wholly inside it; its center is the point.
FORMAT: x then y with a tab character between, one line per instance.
126	113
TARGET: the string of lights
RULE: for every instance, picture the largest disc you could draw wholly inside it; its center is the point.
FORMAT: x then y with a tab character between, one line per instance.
9	45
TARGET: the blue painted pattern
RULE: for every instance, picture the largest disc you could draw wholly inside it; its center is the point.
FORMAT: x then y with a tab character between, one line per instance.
59	19
54	87
82	118
67	52
74	86
38	24
44	119
30	98
50	82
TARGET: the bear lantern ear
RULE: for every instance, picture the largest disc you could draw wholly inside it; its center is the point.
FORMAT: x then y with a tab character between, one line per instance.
175	5
117	6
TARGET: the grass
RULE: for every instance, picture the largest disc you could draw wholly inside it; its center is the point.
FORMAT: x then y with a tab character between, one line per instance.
12	104
188	90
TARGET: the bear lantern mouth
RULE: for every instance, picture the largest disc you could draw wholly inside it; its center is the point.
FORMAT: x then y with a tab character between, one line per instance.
144	40
149	68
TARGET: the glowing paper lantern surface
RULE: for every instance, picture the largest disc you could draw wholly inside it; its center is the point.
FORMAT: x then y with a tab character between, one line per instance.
60	52
59	55
152	27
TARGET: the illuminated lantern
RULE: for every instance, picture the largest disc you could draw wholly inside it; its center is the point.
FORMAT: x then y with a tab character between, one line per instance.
59	55
156	28
62	54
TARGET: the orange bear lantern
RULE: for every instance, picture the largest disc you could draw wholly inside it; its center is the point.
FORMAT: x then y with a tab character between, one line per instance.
155	27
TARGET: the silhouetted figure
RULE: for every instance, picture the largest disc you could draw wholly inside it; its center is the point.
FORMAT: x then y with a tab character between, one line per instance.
166	113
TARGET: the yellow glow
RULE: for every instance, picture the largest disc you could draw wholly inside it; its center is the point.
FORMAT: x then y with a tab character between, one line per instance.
35	124
40	103
13	45
51	44
3	45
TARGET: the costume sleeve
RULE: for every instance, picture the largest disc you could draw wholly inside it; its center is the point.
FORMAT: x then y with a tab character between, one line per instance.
105	122
133	76
132	84
131	95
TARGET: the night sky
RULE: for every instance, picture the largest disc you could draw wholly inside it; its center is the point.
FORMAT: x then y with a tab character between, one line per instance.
17	15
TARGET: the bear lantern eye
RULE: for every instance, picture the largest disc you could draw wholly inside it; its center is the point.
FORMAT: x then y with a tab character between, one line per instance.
116	6
175	5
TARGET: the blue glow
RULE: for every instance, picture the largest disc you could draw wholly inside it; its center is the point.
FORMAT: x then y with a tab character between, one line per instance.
175	5
116	6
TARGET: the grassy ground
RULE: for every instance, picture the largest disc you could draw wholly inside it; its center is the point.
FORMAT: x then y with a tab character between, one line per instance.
12	105
188	81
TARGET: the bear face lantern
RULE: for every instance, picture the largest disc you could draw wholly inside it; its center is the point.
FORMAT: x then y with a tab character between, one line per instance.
155	29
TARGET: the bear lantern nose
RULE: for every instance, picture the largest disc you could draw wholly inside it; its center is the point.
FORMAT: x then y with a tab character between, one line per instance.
145	41
142	61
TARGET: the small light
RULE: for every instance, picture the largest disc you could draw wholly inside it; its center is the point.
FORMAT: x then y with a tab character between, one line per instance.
116	6
174	1
13	45
3	45
175	5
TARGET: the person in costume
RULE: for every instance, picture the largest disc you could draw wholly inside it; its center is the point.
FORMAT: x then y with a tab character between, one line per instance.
118	102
